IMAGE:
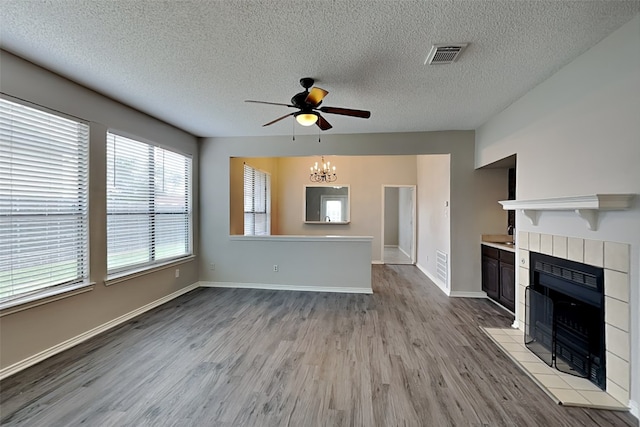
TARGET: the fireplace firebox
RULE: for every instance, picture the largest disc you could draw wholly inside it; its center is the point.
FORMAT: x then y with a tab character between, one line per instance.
564	316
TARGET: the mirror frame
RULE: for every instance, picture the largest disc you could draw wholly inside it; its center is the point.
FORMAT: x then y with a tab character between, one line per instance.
304	205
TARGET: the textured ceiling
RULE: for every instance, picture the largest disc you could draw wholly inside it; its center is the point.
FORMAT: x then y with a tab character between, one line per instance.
192	63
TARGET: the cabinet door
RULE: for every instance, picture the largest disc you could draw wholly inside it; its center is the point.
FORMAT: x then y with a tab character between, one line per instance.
508	286
490	276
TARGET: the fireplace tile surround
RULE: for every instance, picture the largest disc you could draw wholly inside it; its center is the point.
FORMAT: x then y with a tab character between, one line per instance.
614	258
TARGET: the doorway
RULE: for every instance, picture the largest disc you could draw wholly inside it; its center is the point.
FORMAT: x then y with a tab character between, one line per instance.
398	224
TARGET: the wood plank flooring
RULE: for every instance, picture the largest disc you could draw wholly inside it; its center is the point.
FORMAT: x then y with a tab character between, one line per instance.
404	356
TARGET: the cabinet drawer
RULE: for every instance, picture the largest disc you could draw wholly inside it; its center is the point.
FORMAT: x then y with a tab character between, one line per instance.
507	257
490	252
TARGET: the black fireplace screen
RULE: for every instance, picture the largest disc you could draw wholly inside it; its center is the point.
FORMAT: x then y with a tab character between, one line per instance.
563	326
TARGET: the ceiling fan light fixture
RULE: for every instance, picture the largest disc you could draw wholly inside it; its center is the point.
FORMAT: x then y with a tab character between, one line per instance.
307	119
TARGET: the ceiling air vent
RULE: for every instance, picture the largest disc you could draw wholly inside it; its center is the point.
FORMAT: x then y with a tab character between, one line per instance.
444	53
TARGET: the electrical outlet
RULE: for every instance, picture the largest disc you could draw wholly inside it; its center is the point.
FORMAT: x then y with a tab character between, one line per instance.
212	266
275	267
177	273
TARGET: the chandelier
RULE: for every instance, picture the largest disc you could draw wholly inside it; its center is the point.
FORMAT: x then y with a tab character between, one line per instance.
323	172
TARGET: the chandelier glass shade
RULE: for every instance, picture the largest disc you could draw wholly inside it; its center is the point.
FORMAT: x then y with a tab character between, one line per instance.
323	172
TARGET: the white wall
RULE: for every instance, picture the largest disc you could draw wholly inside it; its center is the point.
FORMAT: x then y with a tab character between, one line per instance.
391	211
405	219
578	133
36	330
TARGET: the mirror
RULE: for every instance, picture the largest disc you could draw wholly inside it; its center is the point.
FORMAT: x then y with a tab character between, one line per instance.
326	204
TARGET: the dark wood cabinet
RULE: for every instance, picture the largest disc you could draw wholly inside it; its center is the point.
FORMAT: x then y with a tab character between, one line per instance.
490	276
499	276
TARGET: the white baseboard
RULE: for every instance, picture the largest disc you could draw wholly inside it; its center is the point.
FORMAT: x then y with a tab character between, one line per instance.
634	409
468	294
279	287
377	262
438	283
65	345
403	251
390	246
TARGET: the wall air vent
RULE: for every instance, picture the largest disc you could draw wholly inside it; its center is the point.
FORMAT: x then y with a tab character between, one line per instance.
444	53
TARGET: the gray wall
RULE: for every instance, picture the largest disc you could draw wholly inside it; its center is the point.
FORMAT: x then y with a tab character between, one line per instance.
405	219
467	189
26	333
575	134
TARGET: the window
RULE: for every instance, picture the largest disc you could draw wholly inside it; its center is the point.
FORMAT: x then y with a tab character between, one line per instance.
148	205
257	202
43	203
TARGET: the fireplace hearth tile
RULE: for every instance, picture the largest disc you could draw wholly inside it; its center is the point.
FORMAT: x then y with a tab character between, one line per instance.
522	356
564	389
536	368
600	399
578	383
552	381
572	397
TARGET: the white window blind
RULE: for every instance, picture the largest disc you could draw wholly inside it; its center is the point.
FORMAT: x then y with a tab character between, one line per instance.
43	202
148	204
257	202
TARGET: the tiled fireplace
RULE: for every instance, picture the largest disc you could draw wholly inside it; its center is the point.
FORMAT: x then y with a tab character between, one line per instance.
614	259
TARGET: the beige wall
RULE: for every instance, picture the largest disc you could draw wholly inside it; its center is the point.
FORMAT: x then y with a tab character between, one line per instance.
236	190
27	333
365	176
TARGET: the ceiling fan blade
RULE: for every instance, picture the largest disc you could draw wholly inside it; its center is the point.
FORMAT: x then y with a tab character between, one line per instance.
346	112
270	103
316	96
323	124
278	119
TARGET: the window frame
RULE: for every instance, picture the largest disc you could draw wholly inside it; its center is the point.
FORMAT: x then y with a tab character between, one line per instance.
82	281
125	272
266	202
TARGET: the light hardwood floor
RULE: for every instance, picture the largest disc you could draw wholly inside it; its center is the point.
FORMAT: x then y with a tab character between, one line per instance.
405	356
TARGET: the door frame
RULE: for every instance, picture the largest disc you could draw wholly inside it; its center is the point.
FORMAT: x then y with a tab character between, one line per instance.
414	228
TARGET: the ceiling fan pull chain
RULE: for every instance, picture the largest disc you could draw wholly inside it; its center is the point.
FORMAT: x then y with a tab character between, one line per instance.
293	129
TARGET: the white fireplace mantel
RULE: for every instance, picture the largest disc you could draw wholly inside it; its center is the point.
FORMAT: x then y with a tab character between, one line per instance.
587	207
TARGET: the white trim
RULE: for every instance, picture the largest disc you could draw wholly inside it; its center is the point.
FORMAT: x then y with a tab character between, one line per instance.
121	277
634	408
586	207
505	309
65	345
390	246
377	262
406	254
44	296
467	294
437	282
280	287
414	216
